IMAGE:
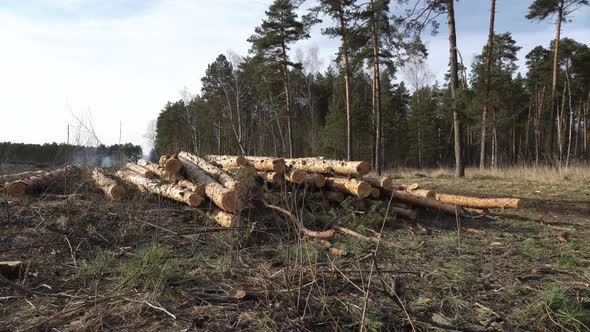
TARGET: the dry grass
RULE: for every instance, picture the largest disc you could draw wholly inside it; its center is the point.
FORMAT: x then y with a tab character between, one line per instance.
541	173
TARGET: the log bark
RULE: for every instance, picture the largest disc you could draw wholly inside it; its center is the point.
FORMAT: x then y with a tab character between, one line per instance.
183	183
272	177
109	186
315	180
480	203
141	170
223	218
37	182
406	213
424	202
268	164
19	176
295	176
219	194
383	181
423	193
320	165
227	161
405	187
239	172
171	191
334	196
211	170
375	193
360	189
171	164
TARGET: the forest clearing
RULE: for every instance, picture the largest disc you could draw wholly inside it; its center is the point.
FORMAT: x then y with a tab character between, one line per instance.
89	259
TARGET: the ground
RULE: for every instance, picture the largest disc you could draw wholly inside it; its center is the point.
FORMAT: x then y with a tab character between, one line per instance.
150	264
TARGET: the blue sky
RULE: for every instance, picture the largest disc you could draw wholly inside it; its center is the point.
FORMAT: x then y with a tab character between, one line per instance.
119	61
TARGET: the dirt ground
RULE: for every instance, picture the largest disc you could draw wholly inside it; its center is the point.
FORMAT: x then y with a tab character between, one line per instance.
149	264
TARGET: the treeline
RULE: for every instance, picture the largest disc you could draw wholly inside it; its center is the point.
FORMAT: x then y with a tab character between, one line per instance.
54	154
272	102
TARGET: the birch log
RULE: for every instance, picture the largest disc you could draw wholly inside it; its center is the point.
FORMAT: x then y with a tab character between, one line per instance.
358	188
220	195
109	186
295	176
38	181
211	170
320	165
268	164
429	203
19	176
171	164
383	181
272	177
140	170
227	161
171	191
315	180
161	172
480	203
223	218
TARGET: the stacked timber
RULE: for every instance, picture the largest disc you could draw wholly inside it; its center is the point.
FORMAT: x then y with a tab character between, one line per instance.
38	181
109	186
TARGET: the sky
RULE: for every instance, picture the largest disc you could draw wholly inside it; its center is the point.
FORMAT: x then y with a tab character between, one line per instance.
115	63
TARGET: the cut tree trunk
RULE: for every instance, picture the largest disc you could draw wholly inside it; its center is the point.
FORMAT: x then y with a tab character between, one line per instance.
220	195
223	218
405	187
334	196
177	180
269	164
239	172
375	193
217	174
428	203
295	176
422	192
361	189
171	164
141	170
110	187
480	203
171	191
315	180
227	161
320	165
19	176
37	182
383	181
272	177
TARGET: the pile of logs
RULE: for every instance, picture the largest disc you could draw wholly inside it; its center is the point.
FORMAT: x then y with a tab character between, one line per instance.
229	183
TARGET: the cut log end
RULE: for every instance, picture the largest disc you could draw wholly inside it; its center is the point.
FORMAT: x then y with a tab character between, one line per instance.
230	201
118	192
364	190
16	188
296	176
319	180
194	200
375	193
363	168
223	218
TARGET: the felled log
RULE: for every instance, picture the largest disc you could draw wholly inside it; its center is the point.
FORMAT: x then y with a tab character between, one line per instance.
480	203
109	186
295	176
429	203
140	170
171	191
358	188
211	170
19	176
171	164
272	177
240	172
222	196
375	193
177	180
383	181
405	187
38	181
227	161
315	180
334	196
223	218
422	193
406	213
320	165
267	164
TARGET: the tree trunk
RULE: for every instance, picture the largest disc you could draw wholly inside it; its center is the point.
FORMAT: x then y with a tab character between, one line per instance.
571	120
320	165
360	189
381	182
166	190
227	161
482	155
220	195
295	176
459	167
37	182
19	176
272	177
162	173
315	180
480	203
554	81
429	203
495	136
110	187
140	170
171	164
217	174
267	164
377	91
223	218
288	101
346	82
